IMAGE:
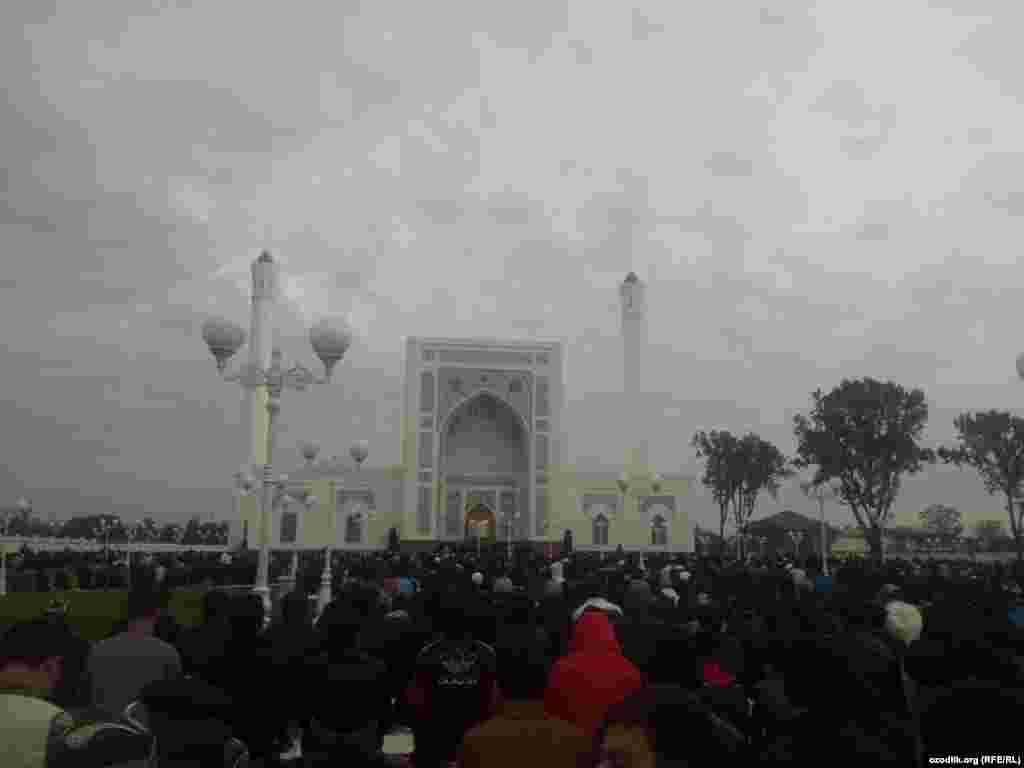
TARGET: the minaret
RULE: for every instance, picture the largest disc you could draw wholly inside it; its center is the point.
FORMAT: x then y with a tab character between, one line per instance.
261	341
633	299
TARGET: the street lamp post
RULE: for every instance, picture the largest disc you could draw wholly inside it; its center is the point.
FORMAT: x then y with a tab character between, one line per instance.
797	537
479	526
822	492
510	521
23	506
276	494
358	451
330	340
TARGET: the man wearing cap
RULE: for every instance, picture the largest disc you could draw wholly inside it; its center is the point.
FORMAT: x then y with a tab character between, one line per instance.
34	732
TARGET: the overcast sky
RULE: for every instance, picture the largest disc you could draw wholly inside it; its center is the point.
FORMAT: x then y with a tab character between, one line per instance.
813	191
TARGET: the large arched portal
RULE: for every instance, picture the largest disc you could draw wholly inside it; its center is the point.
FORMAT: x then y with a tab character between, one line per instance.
484	456
481	523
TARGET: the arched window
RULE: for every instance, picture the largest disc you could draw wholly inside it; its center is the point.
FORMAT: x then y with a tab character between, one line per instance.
354	528
601	531
289	527
659	532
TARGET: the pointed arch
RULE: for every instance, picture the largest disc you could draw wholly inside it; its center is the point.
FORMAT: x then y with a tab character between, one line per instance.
476	395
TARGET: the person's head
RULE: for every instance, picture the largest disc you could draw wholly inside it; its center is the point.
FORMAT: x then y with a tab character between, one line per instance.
339	627
447	611
664	725
33	652
346	730
143	610
523	664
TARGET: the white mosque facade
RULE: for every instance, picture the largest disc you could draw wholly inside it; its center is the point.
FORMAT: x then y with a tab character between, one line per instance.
484	454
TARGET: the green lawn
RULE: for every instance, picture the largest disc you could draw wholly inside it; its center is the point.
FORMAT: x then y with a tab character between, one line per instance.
94	613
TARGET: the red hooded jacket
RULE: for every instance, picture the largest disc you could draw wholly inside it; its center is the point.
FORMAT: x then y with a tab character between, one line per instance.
594	676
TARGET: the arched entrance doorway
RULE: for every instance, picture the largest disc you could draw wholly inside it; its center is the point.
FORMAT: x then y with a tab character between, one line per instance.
484	464
480	517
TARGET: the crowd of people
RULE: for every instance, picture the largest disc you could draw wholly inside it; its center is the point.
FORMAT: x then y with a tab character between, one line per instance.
69	569
585	661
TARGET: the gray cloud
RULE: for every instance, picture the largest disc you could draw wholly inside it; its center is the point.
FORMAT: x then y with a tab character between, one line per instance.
478	172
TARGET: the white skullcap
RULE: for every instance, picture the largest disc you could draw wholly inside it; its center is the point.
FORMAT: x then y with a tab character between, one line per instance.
684	575
903	621
478	578
671	594
599	603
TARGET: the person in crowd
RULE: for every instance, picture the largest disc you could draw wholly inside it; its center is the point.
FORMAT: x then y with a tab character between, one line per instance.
204	645
168	629
120	666
454	686
503	585
286	645
192	723
665	726
345	733
593	676
73	688
356	723
33	728
35	732
253	721
522	732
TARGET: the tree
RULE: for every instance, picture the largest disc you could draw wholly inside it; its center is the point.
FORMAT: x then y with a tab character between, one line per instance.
865	433
723	471
942	519
992	443
762	467
989	532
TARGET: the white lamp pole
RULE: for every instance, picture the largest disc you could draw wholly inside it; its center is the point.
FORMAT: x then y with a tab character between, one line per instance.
797	537
330	340
509	523
822	492
23	505
478	528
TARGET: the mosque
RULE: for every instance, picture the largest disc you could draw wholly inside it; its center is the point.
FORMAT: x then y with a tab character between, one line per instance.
484	454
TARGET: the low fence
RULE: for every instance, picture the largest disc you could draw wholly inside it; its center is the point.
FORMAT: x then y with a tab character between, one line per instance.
54	544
